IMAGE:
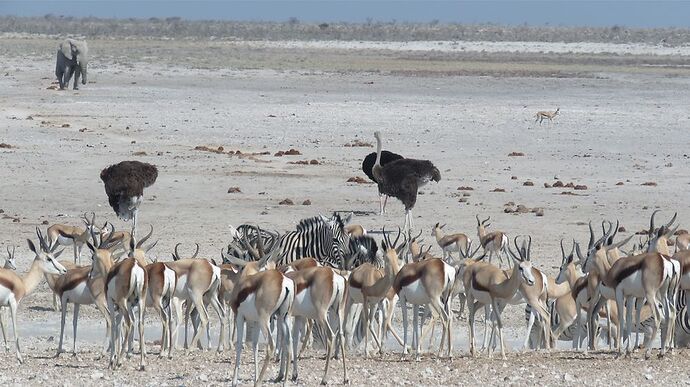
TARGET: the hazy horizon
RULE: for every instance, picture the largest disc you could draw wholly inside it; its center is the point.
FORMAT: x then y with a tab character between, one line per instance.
636	14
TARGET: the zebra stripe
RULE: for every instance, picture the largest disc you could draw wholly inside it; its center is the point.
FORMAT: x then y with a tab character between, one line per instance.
321	238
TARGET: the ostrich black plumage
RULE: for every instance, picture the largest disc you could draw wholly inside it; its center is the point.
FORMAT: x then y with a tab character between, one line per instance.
402	179
368	166
124	184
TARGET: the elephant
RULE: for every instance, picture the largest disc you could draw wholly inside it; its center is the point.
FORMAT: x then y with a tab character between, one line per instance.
72	58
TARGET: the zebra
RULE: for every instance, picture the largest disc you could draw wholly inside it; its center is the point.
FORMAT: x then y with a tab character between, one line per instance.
319	237
682	333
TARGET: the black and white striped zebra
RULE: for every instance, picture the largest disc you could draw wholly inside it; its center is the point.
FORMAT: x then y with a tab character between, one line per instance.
320	237
682	333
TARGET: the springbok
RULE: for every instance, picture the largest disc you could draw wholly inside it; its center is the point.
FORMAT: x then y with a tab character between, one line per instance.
425	282
260	293
83	286
64	235
488	285
13	288
543	115
126	287
368	284
494	242
449	243
10	264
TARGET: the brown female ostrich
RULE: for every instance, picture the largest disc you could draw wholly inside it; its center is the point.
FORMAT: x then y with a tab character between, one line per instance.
124	184
368	166
403	178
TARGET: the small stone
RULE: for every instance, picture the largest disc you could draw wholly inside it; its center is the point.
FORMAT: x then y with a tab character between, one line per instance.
133	142
286	202
521	208
547	185
539	212
234	190
620	183
44	222
279	154
528	184
306	202
570	185
513	178
580	187
464	188
97	375
558	184
314	162
66	125
622	229
649	184
498	190
515	154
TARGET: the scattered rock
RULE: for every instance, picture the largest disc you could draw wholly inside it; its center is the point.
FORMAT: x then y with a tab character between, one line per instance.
539	212
271	116
204	148
649	184
569	193
622	229
139	153
52	87
65	125
44	222
314	162
15	220
462	200
498	190
620	183
515	154
286	202
306	202
292	152
466	194
580	187
570	185
513	178
29	118
4	145
558	184
82	130
359	143
547	185
464	188
357	179
522	209
234	190
279	154
528	183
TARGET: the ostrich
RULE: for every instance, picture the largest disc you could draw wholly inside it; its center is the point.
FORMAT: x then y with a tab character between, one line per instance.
124	184
367	167
402	179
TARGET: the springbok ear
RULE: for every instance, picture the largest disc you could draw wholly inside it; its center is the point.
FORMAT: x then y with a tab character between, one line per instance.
31	246
66	49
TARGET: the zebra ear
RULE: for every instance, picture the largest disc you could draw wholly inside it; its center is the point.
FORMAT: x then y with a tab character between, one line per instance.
347	218
325	219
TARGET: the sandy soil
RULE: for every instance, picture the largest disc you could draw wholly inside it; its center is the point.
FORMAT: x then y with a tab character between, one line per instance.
620	122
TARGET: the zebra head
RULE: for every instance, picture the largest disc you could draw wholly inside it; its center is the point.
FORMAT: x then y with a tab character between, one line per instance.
361	249
341	239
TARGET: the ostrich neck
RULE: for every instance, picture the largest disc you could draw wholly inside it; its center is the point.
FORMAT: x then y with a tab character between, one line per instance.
378	152
32	279
507	288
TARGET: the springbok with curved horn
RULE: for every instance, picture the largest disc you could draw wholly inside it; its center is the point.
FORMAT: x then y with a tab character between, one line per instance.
260	293
495	242
198	283
83	286
13	288
425	282
450	243
488	285
546	115
368	284
65	235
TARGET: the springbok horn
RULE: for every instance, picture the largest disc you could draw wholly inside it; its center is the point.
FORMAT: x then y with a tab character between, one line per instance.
195	252
397	237
176	255
590	244
623	242
651	222
141	242
563	256
672	220
478	222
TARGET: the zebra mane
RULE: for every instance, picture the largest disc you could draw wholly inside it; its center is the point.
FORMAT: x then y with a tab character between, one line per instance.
309	223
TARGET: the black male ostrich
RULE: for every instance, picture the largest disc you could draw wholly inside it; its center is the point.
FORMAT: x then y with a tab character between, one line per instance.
402	179
368	165
124	184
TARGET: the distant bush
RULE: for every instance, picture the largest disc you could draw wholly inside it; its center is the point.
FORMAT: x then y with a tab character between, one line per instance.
294	29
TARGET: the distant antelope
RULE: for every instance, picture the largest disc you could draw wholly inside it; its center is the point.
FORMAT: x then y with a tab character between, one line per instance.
542	115
494	242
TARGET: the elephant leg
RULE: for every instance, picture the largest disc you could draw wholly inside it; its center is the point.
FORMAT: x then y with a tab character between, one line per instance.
77	74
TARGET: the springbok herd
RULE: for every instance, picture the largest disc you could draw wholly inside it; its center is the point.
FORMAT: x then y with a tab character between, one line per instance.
333	279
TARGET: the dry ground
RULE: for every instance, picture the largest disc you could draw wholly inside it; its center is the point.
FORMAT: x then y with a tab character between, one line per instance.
621	121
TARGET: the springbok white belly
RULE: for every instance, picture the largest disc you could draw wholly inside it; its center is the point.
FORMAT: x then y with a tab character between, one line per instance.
632	285
5	296
64	241
181	287
80	294
303	305
414	293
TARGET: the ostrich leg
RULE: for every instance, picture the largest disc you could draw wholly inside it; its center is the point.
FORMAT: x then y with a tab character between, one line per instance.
382	204
385	202
135	212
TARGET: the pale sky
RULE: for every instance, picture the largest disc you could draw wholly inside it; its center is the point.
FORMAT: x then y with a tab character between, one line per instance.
511	12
